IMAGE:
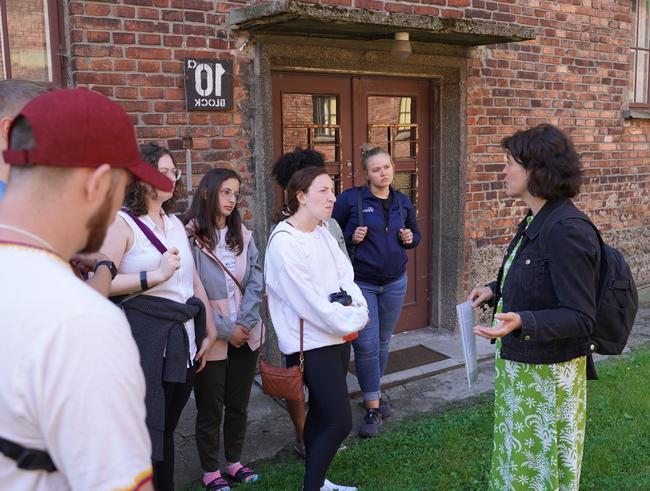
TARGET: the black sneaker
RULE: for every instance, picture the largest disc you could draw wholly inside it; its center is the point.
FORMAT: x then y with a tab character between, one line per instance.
372	421
384	408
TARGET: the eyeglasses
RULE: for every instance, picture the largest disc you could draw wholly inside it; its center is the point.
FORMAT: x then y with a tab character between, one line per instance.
229	195
173	174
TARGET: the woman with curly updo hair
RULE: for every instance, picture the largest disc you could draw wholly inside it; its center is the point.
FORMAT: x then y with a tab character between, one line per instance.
290	163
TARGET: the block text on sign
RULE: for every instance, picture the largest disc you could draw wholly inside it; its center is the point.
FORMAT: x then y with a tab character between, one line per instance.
208	84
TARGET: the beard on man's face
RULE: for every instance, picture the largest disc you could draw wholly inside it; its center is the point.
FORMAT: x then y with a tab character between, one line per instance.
98	224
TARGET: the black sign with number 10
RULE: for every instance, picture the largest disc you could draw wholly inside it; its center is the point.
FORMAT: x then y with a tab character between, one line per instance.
208	85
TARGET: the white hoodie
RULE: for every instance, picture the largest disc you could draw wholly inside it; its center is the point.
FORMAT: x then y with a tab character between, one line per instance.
302	269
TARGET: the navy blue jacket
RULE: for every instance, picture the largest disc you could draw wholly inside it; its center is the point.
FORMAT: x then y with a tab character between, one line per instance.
381	257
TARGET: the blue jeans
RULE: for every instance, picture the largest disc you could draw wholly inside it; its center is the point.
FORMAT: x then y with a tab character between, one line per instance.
371	347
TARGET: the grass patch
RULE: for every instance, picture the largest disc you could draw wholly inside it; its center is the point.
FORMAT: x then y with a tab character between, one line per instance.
451	450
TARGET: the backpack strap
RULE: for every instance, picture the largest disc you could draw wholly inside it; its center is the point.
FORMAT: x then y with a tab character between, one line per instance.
352	251
567	212
559	214
359	207
399	204
28	459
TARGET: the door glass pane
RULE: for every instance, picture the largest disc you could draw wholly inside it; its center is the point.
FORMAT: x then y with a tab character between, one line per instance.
642	70
406	182
405	146
312	121
392	125
28	31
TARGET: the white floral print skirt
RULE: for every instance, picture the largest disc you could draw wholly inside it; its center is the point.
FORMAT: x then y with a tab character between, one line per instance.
539	425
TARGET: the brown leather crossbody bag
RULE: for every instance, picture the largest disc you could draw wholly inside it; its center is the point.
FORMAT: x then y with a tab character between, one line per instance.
281	382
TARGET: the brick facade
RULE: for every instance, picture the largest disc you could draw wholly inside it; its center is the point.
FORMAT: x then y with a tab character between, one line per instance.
575	74
132	51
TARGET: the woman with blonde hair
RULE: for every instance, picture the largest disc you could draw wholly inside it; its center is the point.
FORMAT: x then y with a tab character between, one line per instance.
378	251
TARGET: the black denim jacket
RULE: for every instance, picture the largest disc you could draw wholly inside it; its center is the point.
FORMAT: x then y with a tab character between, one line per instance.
554	292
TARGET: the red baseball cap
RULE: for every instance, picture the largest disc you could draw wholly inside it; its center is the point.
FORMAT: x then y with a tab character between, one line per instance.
81	128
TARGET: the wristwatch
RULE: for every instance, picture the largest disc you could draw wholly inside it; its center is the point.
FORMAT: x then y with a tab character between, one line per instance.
109	264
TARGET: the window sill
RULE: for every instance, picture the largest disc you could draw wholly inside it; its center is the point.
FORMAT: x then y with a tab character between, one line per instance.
636	114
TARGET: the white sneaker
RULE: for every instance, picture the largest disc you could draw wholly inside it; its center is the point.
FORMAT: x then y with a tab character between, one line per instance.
330	486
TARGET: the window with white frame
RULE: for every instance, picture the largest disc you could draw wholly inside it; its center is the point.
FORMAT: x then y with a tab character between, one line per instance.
639	87
31	40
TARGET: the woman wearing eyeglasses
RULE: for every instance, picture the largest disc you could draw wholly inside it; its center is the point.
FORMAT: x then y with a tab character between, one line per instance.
161	303
227	261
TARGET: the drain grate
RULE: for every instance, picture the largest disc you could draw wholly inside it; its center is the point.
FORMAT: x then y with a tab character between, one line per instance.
407	358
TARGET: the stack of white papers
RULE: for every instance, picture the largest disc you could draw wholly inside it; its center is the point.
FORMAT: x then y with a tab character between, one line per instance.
466	321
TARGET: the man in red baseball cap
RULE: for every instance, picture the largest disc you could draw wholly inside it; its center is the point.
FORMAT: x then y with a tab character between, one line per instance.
72	411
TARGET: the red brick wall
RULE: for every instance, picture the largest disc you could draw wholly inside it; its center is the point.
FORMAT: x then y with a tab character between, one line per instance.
133	52
575	74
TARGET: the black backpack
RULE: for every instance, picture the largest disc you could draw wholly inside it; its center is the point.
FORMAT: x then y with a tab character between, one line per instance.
617	301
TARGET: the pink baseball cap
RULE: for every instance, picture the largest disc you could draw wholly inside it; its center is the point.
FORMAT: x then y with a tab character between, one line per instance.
81	128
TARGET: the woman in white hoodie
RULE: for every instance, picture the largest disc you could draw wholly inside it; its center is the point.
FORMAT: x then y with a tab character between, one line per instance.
304	268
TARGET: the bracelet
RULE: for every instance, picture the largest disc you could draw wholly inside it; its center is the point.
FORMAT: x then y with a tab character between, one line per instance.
143	280
109	264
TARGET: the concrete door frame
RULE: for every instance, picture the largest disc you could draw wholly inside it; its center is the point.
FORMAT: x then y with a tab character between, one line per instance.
446	67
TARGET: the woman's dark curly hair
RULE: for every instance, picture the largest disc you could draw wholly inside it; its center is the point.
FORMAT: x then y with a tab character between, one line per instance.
287	165
204	211
136	194
553	165
291	162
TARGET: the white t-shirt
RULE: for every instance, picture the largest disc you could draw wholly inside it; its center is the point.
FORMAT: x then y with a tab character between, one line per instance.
302	269
70	379
143	256
229	260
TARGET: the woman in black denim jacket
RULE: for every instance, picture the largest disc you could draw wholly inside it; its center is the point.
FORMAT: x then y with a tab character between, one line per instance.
544	301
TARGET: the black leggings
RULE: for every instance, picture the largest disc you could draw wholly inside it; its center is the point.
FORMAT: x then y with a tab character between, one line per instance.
329	418
176	395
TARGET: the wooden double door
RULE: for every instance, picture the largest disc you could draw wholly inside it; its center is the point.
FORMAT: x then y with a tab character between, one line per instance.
336	115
